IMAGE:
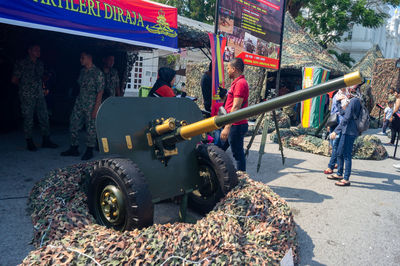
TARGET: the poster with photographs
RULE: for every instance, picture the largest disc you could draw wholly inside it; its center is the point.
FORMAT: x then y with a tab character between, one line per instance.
253	30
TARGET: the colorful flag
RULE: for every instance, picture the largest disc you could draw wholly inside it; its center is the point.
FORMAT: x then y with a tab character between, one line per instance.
313	110
217	44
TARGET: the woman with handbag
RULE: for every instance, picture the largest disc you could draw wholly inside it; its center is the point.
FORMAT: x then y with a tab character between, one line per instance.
334	119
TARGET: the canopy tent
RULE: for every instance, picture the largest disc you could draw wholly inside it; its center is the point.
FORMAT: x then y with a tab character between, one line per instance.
366	64
301	50
139	22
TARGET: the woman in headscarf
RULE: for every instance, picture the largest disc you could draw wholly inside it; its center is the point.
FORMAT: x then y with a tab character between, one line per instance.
162	87
340	99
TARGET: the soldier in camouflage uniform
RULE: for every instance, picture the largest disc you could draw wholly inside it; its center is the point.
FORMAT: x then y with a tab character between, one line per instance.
111	78
28	75
91	83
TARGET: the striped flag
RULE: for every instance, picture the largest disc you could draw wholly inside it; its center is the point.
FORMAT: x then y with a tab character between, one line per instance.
313	110
217	44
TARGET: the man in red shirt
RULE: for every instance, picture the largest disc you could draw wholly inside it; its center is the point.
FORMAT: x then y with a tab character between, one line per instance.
233	135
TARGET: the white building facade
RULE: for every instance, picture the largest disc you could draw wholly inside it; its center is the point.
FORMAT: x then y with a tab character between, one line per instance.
361	39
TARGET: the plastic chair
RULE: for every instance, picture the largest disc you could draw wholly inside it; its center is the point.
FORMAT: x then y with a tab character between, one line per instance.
144	91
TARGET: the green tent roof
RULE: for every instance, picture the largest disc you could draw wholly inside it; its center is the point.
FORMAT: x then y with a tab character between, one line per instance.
366	64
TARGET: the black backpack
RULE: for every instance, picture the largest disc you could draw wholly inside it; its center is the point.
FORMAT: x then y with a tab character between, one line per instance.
362	121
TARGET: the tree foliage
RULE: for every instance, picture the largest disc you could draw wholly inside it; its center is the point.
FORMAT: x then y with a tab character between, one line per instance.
328	20
200	10
343	58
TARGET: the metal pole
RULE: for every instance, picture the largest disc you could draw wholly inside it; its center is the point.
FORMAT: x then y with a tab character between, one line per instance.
397	142
216	17
260	120
278	135
379	117
260	117
261	151
278	75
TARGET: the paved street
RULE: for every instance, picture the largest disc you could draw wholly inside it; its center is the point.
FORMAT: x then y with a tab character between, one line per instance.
357	225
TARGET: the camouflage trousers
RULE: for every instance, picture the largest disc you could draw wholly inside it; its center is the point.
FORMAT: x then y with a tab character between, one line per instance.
82	116
30	104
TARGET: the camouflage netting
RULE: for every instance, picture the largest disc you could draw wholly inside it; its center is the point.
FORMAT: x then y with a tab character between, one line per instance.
282	118
369	148
300	50
251	225
385	75
365	66
366	147
373	122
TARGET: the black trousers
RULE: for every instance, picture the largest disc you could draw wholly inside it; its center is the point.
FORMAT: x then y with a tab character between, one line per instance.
395	128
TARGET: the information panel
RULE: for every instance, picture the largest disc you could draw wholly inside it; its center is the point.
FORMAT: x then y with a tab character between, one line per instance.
253	30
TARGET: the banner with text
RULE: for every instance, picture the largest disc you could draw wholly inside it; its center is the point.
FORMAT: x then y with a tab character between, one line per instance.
253	29
139	22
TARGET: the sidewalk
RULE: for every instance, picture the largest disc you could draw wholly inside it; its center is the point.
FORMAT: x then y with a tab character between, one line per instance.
356	225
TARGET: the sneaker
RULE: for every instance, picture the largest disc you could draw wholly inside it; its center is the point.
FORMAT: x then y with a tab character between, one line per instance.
380	133
397	166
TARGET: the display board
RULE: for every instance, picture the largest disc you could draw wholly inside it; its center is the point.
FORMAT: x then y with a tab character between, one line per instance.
253	29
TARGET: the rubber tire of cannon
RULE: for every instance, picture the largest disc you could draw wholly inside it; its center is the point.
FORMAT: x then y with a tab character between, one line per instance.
222	174
126	178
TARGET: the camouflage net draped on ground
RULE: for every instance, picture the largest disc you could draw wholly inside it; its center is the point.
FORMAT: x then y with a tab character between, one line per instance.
366	147
251	225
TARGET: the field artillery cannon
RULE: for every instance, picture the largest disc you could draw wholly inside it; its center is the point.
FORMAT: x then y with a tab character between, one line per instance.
159	141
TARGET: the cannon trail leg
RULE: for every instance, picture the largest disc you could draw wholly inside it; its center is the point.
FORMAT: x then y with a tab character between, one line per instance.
183	208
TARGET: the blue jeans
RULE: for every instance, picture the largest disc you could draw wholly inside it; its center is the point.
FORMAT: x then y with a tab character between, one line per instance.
217	137
344	155
334	144
235	141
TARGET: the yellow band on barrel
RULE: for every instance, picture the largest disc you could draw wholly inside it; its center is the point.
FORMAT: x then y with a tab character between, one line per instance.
195	129
353	78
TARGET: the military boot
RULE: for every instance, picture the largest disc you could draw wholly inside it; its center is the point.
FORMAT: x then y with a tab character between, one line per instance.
30	145
47	143
72	151
88	154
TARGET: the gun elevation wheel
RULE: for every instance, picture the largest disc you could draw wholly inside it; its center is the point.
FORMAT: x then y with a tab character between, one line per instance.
119	196
218	175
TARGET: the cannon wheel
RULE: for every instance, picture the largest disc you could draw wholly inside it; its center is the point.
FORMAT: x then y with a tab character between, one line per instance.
118	195
218	174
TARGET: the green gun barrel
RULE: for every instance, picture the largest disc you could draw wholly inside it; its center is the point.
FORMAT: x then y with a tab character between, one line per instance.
210	124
